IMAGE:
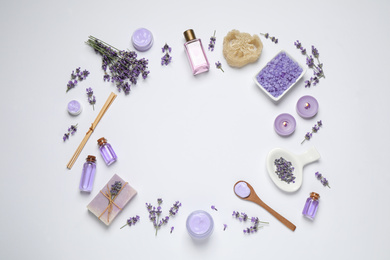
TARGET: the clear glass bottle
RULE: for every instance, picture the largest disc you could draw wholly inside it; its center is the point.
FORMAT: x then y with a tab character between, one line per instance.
88	174
311	206
195	53
107	152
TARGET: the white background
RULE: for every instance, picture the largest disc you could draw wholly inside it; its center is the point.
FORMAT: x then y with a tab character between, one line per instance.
187	138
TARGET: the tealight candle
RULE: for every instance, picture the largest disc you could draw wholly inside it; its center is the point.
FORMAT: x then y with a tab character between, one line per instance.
200	224
74	108
307	106
284	124
142	39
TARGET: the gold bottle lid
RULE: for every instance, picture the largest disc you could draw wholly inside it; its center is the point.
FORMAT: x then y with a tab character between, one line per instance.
189	35
314	196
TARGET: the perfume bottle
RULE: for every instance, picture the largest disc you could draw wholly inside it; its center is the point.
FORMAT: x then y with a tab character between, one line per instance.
88	174
107	152
311	206
195	53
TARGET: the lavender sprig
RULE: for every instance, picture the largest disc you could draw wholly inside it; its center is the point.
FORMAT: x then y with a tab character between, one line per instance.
318	71
323	180
212	42
91	97
155	213
115	188
219	66
272	38
166	59
257	224
123	66
314	129
77	74
131	221
71	130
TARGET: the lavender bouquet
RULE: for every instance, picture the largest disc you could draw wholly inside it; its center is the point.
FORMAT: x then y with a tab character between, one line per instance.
120	67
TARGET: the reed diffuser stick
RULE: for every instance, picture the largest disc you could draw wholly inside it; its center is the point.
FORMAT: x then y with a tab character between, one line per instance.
108	103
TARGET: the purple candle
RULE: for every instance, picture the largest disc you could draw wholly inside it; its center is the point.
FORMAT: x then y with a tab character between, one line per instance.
200	224
284	124
142	39
307	106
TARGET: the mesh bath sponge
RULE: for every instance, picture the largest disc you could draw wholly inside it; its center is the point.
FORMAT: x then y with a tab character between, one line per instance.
241	48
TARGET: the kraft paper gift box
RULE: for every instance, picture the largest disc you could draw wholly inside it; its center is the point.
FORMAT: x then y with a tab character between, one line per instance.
106	205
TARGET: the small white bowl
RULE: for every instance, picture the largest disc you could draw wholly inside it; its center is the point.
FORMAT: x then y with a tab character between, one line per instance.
290	87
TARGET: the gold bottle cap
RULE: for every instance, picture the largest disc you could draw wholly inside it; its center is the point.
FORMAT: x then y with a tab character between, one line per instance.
314	196
189	35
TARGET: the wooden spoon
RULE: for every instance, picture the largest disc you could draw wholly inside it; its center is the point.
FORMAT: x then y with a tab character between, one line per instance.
254	198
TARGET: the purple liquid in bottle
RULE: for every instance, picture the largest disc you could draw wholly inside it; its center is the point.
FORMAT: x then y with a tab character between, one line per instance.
88	174
311	206
106	151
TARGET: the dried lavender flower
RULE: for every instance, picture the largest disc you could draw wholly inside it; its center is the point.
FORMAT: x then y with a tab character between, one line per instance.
257	224
323	180
166	59
65	137
214	208
284	170
77	74
91	98
310	61
224	227
212	42
219	66
314	129
172	228
154	214
166	48
318	71
115	188
71	84
298	44
314	51
71	130
120	67
272	38
131	221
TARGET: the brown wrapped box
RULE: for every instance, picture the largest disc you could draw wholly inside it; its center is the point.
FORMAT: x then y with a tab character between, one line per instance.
107	206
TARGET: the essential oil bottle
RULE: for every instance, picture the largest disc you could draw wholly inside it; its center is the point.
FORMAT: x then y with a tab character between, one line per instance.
107	152
88	174
195	53
311	206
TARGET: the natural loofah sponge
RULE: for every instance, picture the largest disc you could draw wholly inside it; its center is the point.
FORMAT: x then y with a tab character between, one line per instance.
239	49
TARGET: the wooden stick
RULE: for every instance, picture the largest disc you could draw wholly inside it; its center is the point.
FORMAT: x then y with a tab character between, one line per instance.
108	103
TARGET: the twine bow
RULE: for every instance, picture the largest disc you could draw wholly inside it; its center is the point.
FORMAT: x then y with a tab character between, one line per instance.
111	202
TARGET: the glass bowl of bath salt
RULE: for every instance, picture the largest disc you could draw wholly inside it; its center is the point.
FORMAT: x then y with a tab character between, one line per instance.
279	75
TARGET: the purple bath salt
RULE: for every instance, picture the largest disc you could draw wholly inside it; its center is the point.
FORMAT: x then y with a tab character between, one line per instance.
279	74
